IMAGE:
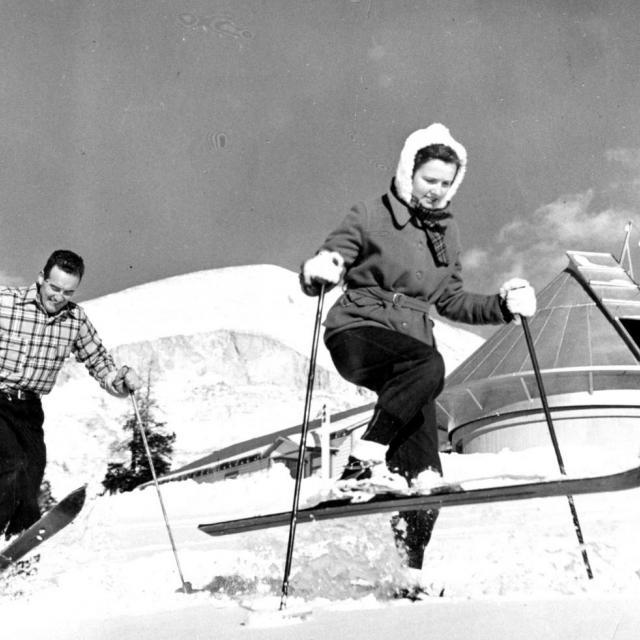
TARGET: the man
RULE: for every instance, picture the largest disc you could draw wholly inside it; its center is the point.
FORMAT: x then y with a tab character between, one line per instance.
39	328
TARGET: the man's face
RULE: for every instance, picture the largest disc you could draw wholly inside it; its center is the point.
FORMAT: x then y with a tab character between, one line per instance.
57	289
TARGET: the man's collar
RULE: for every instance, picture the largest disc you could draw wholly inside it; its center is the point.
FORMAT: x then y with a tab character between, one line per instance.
30	295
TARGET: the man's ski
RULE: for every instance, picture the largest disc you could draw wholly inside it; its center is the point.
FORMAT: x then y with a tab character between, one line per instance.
50	523
443	496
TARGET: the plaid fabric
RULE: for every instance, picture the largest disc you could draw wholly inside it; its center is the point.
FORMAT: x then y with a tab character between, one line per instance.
435	235
432	223
34	345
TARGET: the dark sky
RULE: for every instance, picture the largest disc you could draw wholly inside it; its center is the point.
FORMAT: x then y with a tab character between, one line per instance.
162	137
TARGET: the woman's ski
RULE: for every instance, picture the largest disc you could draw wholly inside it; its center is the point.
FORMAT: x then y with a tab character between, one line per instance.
442	496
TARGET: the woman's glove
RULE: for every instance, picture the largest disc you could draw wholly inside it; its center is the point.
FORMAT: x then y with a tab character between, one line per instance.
326	267
519	297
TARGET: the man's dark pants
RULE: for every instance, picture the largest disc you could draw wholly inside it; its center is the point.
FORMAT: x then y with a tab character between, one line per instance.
407	375
22	461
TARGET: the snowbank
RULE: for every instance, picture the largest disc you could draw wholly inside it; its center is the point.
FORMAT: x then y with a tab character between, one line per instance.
114	565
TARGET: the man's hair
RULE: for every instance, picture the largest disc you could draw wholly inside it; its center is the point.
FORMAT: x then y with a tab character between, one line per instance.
435	152
68	261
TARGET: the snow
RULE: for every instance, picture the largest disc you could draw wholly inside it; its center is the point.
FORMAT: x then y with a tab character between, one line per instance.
228	298
112	572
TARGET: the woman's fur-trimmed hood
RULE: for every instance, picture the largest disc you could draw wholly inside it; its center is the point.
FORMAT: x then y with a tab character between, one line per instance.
434	134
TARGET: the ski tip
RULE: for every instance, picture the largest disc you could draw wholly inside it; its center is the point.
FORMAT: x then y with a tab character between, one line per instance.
267	612
75	500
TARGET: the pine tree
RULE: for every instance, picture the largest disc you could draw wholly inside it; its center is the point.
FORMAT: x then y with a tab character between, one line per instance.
125	477
45	497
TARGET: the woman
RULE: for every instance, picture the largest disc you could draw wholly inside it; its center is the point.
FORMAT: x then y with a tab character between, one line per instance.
399	254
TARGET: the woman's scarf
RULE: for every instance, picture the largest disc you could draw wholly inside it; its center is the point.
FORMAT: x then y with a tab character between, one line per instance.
431	221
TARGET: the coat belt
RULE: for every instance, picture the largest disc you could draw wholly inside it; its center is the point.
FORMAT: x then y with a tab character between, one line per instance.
399	300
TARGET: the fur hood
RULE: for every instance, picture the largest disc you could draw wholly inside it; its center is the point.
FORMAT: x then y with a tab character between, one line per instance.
434	134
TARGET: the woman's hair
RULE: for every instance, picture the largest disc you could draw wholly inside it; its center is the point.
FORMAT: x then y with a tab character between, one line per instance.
435	152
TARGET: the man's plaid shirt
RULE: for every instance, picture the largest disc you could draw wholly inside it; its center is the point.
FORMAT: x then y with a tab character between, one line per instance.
34	345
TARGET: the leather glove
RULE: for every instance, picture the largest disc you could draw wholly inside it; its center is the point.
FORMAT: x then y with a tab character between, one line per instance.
520	298
126	380
326	267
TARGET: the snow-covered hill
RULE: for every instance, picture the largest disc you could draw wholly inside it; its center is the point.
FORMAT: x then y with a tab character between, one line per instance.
227	351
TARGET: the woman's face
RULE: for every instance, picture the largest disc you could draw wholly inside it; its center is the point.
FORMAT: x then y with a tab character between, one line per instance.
432	180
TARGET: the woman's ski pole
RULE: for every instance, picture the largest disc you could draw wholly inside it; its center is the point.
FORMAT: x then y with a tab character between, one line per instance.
554	440
186	586
302	449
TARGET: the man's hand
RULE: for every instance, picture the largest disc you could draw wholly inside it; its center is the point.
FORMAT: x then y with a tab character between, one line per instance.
126	380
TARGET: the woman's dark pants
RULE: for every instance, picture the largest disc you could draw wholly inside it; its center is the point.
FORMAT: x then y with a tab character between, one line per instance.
407	375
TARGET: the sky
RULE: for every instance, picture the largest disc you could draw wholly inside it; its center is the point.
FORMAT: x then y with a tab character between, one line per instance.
157	138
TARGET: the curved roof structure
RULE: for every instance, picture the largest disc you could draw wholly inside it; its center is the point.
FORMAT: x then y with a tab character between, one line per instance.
587	339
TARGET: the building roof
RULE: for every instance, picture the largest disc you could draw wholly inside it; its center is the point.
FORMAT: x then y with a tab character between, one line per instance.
282	440
586	338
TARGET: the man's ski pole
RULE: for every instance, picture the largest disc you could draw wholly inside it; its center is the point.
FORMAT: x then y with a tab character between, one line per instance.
554	440
302	449
186	586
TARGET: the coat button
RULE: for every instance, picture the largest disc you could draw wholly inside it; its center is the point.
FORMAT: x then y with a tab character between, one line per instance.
403	324
419	275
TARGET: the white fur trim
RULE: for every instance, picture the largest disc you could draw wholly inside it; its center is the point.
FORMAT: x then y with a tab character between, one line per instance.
434	134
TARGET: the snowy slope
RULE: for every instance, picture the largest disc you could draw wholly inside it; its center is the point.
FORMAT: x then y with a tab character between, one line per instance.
227	351
507	569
